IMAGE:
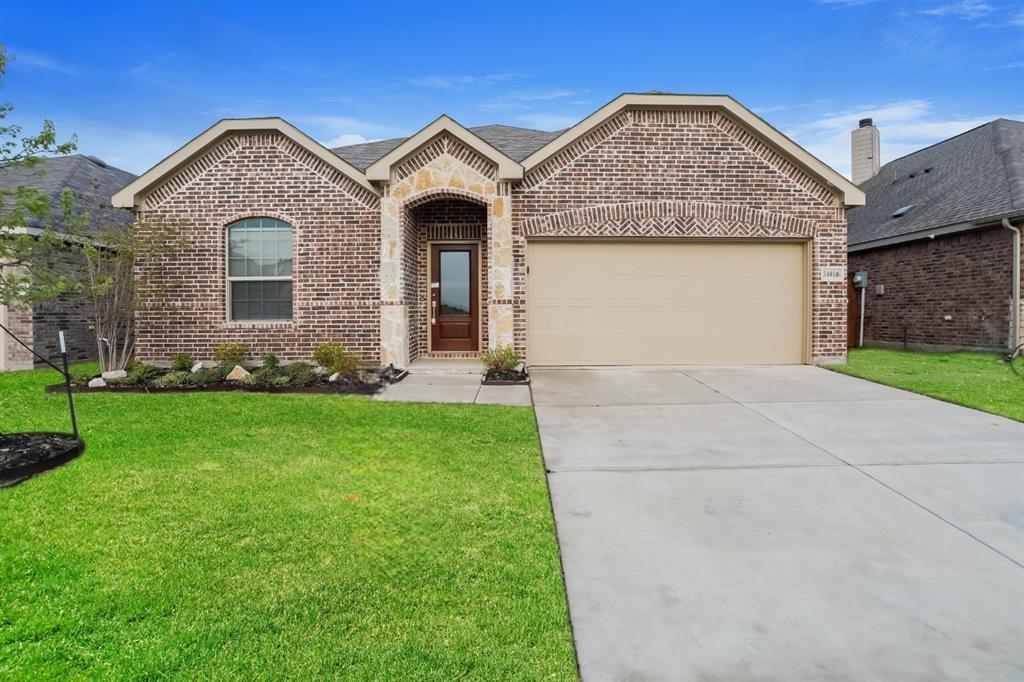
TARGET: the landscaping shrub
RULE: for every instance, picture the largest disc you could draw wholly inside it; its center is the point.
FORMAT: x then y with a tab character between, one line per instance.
142	374
231	353
182	362
336	358
270	361
81	377
500	359
301	374
207	377
172	379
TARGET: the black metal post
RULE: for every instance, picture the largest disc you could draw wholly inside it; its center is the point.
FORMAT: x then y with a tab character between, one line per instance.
67	386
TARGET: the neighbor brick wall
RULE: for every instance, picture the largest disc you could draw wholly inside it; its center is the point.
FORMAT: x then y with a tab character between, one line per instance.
38	326
685	173
967	276
336	240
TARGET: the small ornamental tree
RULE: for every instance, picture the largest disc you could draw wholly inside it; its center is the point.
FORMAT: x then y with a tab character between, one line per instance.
81	248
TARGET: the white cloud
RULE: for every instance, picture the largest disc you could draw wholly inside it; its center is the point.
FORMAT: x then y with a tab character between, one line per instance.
339	131
135	151
845	3
963	9
37	60
346	139
1009	65
457	82
515	100
905	126
552	122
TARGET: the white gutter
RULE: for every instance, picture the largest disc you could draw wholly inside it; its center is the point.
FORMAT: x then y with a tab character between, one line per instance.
1015	331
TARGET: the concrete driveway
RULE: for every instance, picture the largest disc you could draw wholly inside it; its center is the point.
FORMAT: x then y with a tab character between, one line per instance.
783	523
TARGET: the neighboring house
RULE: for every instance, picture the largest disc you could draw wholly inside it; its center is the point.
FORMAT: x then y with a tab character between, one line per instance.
660	229
93	182
931	238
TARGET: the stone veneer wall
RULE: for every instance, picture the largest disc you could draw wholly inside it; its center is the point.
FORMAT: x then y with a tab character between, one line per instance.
19	320
967	276
435	221
683	173
336	237
443	169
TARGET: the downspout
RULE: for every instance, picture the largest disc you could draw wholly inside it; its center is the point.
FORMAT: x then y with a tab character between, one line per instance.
1015	331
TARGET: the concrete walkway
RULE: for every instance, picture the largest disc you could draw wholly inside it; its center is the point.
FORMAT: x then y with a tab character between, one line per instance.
453	387
783	523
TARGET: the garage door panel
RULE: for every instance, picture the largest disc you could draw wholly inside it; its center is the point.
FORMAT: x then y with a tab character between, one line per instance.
596	303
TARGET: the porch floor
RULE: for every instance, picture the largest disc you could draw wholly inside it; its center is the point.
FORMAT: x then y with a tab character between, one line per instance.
446	366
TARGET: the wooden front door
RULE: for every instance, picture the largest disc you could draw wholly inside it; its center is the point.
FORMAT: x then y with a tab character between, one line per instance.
454	307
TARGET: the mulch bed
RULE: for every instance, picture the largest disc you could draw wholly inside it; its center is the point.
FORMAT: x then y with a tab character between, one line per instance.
511	378
338	388
23	455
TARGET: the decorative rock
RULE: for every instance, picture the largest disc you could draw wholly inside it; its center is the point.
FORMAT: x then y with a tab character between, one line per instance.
237	374
115	374
520	368
98	382
198	367
334	377
319	371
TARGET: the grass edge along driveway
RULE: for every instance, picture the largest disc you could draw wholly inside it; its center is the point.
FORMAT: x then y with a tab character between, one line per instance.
979	380
238	535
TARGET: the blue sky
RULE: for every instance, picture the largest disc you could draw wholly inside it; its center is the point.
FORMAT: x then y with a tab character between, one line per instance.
136	80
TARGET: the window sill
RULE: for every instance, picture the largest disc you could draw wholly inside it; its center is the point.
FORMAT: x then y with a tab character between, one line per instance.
250	324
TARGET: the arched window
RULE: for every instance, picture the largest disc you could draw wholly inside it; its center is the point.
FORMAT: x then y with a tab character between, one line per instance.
260	270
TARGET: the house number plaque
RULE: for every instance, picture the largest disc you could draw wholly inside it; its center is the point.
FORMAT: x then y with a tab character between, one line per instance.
833	274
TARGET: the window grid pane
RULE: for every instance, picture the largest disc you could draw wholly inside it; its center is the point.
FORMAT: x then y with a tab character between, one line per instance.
260	247
261	300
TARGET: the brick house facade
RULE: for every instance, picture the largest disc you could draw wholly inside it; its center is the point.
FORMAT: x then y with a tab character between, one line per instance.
952	291
93	182
932	240
645	168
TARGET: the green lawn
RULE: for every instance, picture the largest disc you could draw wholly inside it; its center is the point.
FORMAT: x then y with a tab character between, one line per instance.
249	536
978	380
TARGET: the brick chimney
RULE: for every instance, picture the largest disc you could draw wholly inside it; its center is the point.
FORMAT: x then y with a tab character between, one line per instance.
864	150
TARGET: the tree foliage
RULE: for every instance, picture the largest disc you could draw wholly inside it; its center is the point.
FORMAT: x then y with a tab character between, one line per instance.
79	247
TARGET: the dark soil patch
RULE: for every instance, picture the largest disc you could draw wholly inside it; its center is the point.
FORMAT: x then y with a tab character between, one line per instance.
498	378
26	454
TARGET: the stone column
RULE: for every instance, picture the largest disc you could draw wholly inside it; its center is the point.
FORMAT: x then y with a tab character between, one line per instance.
394	320
500	314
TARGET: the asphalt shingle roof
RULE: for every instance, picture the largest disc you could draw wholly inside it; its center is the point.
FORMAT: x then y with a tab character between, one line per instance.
515	143
93	181
973	177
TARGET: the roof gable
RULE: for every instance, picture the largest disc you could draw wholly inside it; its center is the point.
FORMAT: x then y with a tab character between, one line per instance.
508	169
92	181
975	176
852	195
129	196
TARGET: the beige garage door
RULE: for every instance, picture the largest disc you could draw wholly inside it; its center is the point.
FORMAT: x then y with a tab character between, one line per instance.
614	303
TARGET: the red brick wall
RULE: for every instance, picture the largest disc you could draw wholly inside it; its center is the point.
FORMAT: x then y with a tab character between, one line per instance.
967	276
336	223
687	156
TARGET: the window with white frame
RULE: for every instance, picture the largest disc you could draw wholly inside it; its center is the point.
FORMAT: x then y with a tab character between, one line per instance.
260	270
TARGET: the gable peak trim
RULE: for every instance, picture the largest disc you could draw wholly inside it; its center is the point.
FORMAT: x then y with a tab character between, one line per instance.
380	170
851	194
132	194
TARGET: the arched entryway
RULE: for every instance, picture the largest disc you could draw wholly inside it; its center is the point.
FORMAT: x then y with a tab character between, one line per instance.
445	276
